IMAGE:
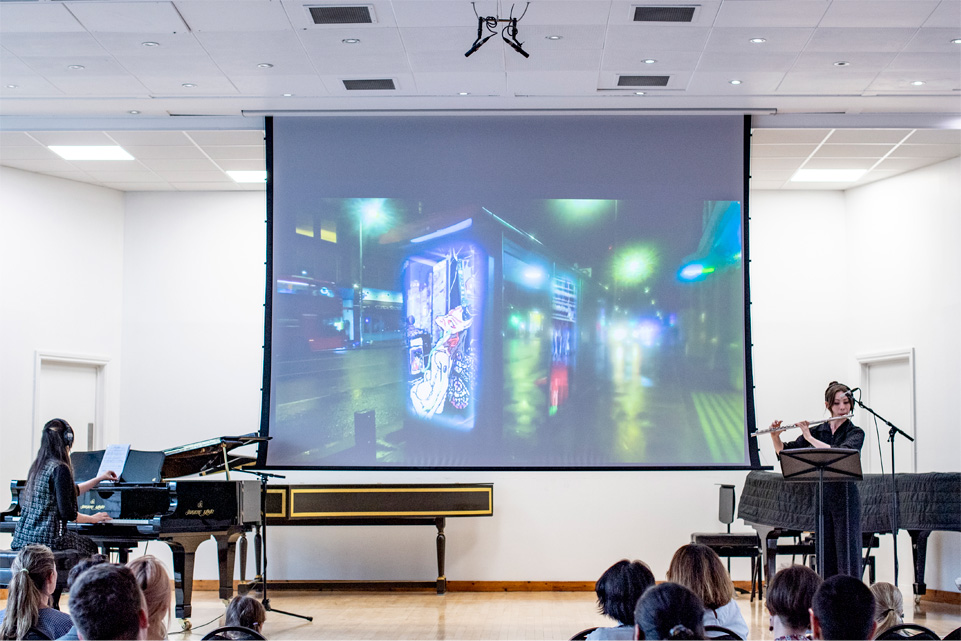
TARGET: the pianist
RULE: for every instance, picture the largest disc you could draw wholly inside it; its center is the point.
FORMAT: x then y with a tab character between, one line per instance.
49	498
842	501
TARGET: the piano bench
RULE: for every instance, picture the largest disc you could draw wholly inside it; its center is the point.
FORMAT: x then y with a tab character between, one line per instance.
65	560
735	544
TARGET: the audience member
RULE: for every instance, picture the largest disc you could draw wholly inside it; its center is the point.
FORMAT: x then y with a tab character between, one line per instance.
669	611
247	612
617	591
106	603
33	579
699	569
789	601
888	606
76	571
154	582
842	608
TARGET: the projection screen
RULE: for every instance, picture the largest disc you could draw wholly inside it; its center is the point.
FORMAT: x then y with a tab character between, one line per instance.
507	292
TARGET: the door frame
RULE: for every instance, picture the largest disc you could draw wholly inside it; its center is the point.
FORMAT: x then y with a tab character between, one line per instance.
865	361
98	363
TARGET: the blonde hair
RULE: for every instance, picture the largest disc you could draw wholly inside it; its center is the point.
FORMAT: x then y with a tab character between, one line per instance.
888	606
155	584
698	568
30	572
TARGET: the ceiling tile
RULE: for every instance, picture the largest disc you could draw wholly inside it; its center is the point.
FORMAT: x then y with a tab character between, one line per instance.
905	164
125	176
739	39
246	152
135	186
160	165
99	85
878	13
852	151
486	60
169	45
36	17
228	164
926	151
923	62
947	14
840	163
786	136
719	83
936	136
736	62
900	81
42	44
783	151
232	54
552	83
227	185
450	84
831	39
34	152
149	138
205	85
868	136
936	40
196	177
618	59
184	152
278	85
129	17
39	165
72	138
580	60
233	16
643	38
236	138
10	139
776	163
808	82
773	13
858	62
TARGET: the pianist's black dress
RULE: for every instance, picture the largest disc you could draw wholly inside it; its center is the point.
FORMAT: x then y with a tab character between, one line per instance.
45	509
842	505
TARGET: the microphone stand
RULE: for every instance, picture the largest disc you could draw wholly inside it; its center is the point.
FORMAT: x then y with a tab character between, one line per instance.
893	431
260	543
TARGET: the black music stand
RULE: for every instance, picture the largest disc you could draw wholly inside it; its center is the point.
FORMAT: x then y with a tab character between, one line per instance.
820	465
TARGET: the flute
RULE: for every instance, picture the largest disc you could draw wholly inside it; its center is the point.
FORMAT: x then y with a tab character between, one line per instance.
810	424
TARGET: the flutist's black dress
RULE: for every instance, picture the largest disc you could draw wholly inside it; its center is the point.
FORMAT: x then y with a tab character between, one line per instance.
842	505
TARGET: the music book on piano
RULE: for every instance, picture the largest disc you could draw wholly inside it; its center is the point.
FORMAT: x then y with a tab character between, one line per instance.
114	458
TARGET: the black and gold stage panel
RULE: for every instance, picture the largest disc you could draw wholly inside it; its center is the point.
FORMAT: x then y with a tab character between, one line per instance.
381	504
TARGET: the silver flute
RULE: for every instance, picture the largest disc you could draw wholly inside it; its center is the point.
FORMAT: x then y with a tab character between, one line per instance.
810	424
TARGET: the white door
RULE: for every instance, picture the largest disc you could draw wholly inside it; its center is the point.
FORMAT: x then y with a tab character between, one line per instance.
68	390
887	383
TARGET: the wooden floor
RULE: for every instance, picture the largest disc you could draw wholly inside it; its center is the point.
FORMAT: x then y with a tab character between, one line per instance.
460	615
466	615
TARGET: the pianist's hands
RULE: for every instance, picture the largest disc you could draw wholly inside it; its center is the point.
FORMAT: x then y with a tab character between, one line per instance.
109	475
100	517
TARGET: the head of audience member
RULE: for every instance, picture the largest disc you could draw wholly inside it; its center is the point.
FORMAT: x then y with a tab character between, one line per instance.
247	612
33	578
106	603
789	600
842	608
888	606
154	582
699	569
669	611
620	587
82	565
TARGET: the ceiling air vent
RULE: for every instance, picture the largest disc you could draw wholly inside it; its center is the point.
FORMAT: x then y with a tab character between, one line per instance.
375	84
642	81
341	15
664	14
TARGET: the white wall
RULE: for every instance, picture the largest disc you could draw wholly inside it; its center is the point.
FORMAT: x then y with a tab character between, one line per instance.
192	332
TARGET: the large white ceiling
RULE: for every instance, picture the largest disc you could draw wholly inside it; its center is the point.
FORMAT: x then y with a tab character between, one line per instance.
123	69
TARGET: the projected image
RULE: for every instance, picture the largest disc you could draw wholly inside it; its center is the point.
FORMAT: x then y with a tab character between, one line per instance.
540	333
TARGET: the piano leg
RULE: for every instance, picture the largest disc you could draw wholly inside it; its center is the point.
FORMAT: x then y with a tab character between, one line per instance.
242	545
919	551
183	549
226	546
441	548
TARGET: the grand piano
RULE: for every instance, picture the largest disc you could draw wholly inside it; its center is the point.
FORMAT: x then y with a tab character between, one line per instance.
928	502
148	503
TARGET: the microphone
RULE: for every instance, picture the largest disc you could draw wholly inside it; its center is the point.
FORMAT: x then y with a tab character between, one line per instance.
850	394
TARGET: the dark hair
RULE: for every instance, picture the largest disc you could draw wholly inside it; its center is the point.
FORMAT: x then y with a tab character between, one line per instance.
55	442
833	388
844	608
82	565
670	611
790	593
106	602
699	568
620	587
247	612
29	573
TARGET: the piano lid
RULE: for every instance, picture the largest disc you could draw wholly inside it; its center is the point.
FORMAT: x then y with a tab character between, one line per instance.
207	457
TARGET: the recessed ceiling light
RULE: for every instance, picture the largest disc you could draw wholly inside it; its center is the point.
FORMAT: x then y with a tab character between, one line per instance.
735	82
649	61
133	111
757	41
150	43
265	65
188	85
956	41
288	95
638	93
13	86
464	93
75	67
917	83
90	152
842	63
554	37
248	176
350	41
828	175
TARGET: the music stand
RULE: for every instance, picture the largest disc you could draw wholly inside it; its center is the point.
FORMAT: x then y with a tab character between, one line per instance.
820	465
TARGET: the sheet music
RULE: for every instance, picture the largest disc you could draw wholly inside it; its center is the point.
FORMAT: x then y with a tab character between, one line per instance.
114	458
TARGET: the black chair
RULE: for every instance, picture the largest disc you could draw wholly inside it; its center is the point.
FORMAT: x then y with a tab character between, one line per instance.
909	631
720	633
953	635
580	636
240	631
728	544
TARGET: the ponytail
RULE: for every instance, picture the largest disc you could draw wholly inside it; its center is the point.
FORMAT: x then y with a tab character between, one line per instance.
30	572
